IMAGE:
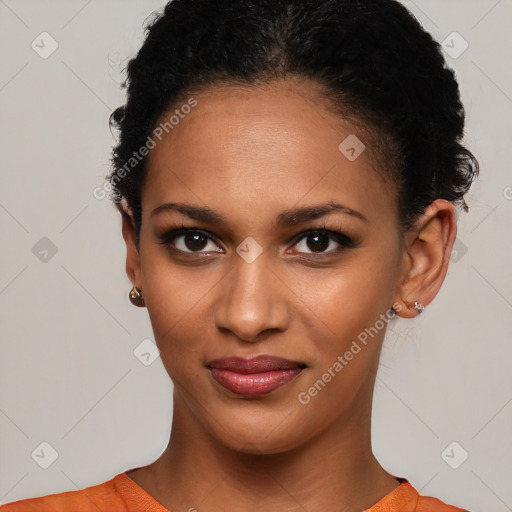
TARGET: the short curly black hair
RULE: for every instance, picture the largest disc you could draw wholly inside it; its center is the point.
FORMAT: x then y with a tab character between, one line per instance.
373	60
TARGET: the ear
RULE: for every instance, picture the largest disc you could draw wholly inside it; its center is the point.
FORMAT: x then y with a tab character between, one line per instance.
427	251
133	269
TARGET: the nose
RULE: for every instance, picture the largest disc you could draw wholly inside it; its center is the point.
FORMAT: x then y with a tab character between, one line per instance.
252	300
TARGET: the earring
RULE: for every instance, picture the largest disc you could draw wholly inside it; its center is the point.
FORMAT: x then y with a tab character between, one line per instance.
419	307
136	297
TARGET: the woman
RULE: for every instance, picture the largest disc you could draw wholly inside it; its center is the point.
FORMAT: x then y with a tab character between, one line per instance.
287	175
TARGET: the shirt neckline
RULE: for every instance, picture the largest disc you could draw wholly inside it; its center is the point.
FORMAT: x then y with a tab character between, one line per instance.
134	496
139	497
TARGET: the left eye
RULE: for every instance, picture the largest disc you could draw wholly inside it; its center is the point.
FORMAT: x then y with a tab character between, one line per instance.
321	241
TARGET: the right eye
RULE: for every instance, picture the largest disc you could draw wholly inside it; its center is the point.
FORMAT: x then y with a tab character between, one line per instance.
189	240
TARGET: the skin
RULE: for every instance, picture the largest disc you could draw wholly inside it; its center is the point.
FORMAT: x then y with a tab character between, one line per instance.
250	154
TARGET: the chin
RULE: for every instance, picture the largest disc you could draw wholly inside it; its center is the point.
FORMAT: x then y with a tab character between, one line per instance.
259	445
264	434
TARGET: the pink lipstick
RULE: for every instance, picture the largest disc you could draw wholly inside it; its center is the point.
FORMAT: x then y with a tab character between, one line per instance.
256	376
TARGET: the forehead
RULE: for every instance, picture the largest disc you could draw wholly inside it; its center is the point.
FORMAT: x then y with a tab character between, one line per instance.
263	148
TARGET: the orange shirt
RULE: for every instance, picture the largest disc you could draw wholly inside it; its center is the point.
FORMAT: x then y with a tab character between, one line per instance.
121	494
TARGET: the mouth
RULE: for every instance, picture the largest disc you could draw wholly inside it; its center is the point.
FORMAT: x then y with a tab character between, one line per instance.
254	377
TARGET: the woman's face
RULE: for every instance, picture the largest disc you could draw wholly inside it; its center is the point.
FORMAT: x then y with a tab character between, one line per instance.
260	169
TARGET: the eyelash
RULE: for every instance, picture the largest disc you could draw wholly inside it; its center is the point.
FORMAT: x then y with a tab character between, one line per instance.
344	241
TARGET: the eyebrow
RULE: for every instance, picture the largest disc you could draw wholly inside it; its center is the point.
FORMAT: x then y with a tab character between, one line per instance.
286	218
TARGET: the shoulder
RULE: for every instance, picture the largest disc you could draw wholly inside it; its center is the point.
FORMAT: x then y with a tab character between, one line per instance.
428	504
405	498
96	498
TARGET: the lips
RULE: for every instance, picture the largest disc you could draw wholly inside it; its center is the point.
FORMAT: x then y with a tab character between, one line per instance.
256	376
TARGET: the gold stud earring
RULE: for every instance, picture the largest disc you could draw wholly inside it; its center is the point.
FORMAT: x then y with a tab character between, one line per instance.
136	297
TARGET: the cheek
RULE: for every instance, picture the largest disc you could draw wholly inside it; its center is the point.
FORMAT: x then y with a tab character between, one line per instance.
350	314
177	302
346	300
346	333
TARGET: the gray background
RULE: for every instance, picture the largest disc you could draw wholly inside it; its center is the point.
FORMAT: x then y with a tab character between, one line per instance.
68	373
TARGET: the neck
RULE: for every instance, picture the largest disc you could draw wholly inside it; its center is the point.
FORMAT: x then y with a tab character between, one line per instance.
334	471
